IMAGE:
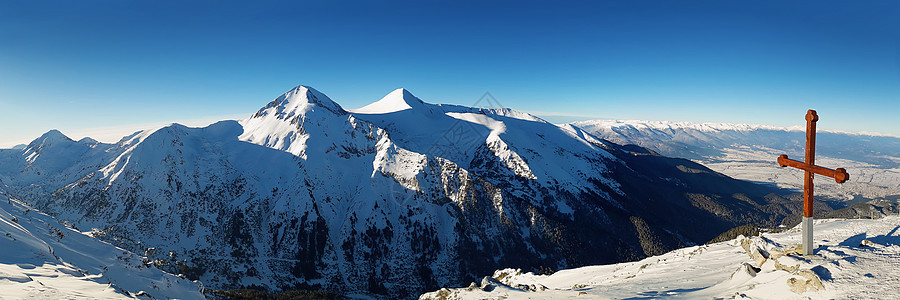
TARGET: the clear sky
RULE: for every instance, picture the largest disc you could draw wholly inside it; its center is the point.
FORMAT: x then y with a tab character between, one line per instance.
105	68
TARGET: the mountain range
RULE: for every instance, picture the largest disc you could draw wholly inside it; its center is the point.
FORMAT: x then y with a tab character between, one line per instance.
748	152
389	200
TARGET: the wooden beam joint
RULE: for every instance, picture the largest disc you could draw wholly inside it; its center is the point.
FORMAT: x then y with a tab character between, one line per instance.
840	175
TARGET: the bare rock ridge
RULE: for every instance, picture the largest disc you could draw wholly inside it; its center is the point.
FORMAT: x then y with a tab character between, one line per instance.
388	200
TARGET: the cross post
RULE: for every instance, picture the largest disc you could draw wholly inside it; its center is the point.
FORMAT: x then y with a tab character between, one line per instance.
810	169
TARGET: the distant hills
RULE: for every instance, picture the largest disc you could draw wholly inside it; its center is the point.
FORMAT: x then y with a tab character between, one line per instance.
749	151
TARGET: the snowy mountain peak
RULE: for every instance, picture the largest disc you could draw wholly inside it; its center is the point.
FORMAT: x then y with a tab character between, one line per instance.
62	147
88	141
298	101
51	136
288	121
398	100
49	139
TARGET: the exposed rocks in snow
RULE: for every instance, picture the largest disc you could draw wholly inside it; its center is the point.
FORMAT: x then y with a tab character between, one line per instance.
744	272
840	269
786	263
805	281
756	253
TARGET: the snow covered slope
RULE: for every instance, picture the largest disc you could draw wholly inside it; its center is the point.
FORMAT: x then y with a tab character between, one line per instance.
470	137
390	200
45	258
854	259
749	151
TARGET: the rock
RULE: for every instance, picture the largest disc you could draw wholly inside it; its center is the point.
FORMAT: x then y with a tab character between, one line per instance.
813	280
757	253
738	241
441	294
531	287
758	256
797	285
807	281
786	263
745	243
488	284
500	275
740	296
745	270
867	243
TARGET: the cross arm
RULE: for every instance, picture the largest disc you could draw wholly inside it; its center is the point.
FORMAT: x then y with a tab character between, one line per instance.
840	175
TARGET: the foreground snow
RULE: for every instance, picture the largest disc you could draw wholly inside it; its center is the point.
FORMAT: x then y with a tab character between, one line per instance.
854	259
42	258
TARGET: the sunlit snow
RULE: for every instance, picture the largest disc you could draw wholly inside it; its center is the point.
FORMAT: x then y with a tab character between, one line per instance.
853	259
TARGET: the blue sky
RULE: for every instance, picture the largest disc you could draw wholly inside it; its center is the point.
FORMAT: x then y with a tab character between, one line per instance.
104	68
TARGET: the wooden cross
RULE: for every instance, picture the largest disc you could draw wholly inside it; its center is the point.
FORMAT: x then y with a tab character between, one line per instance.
840	175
